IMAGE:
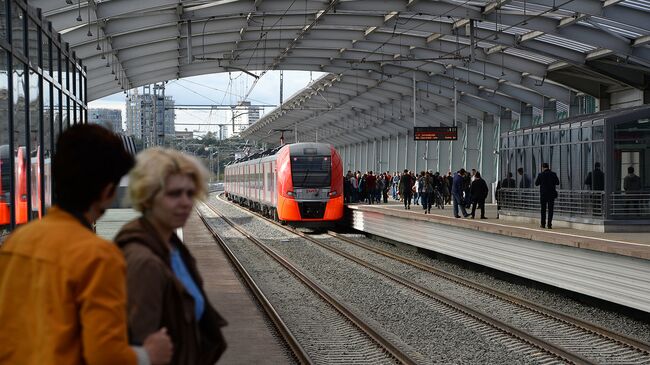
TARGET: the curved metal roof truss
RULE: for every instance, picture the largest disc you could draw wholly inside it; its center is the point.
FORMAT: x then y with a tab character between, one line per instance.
497	55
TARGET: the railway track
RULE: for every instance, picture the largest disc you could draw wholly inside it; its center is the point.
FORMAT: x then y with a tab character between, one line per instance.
587	339
567	338
384	346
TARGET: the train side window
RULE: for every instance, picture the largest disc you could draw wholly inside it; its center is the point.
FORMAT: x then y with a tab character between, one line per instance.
271	182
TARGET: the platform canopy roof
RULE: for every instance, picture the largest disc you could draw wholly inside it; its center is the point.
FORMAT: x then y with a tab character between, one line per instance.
499	54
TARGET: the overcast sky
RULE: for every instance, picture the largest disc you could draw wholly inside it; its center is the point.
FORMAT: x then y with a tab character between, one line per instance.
220	88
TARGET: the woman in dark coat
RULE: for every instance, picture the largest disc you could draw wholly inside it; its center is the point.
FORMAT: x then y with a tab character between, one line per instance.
164	286
479	192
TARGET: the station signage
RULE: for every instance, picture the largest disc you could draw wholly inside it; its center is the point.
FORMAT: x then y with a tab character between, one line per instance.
435	133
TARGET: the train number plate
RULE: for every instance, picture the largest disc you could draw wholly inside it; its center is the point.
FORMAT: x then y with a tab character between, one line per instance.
312	191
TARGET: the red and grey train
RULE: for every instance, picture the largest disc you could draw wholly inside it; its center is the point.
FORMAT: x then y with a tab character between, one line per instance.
300	183
21	214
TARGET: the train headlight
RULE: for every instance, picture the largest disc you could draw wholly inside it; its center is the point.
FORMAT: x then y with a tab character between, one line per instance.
291	193
332	193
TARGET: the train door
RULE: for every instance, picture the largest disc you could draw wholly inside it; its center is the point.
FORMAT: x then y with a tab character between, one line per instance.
239	180
256	185
21	186
274	184
5	181
265	182
36	183
247	172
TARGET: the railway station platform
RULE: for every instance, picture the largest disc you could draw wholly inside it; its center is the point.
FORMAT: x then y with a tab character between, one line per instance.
614	267
250	338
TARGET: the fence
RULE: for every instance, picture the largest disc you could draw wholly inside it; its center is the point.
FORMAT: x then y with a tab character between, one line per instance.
587	204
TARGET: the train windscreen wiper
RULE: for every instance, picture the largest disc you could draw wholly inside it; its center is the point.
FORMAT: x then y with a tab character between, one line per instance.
304	179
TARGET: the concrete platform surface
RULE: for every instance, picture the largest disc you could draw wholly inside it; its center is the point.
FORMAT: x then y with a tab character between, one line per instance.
627	244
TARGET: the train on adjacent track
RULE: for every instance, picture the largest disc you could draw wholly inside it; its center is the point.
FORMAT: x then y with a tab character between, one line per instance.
300	183
21	213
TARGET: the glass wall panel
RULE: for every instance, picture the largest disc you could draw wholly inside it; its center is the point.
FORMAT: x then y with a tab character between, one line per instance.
45	51
632	150
546	157
56	106
555	161
3	19
576	160
71	76
64	72
598	151
5	154
17	28
47	144
565	167
587	167
564	136
35	143
56	72
575	134
528	171
65	120
32	42
598	132
555	136
512	164
519	163
20	152
80	85
536	161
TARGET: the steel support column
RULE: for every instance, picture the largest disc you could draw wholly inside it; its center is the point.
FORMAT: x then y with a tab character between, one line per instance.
472	144
406	150
397	153
487	156
574	106
458	148
525	115
550	111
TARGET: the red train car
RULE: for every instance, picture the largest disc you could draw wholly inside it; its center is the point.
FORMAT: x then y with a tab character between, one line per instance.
20	176
21	184
300	183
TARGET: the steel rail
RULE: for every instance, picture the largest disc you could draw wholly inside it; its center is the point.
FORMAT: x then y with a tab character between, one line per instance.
368	330
299	353
543	310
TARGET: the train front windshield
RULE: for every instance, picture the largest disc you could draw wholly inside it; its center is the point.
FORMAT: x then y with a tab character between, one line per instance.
311	171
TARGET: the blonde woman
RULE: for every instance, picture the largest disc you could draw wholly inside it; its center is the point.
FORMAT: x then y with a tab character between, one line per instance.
164	285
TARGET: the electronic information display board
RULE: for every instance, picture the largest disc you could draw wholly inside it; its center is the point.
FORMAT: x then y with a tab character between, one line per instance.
435	134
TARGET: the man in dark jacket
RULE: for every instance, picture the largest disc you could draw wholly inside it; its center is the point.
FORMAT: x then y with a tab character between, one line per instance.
596	179
405	186
524	182
371	186
457	193
547	181
479	192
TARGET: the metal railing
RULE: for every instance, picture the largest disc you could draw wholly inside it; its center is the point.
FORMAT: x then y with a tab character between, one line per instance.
587	204
583	204
630	205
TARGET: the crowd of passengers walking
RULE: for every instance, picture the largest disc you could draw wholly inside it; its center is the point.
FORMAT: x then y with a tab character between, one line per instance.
425	189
